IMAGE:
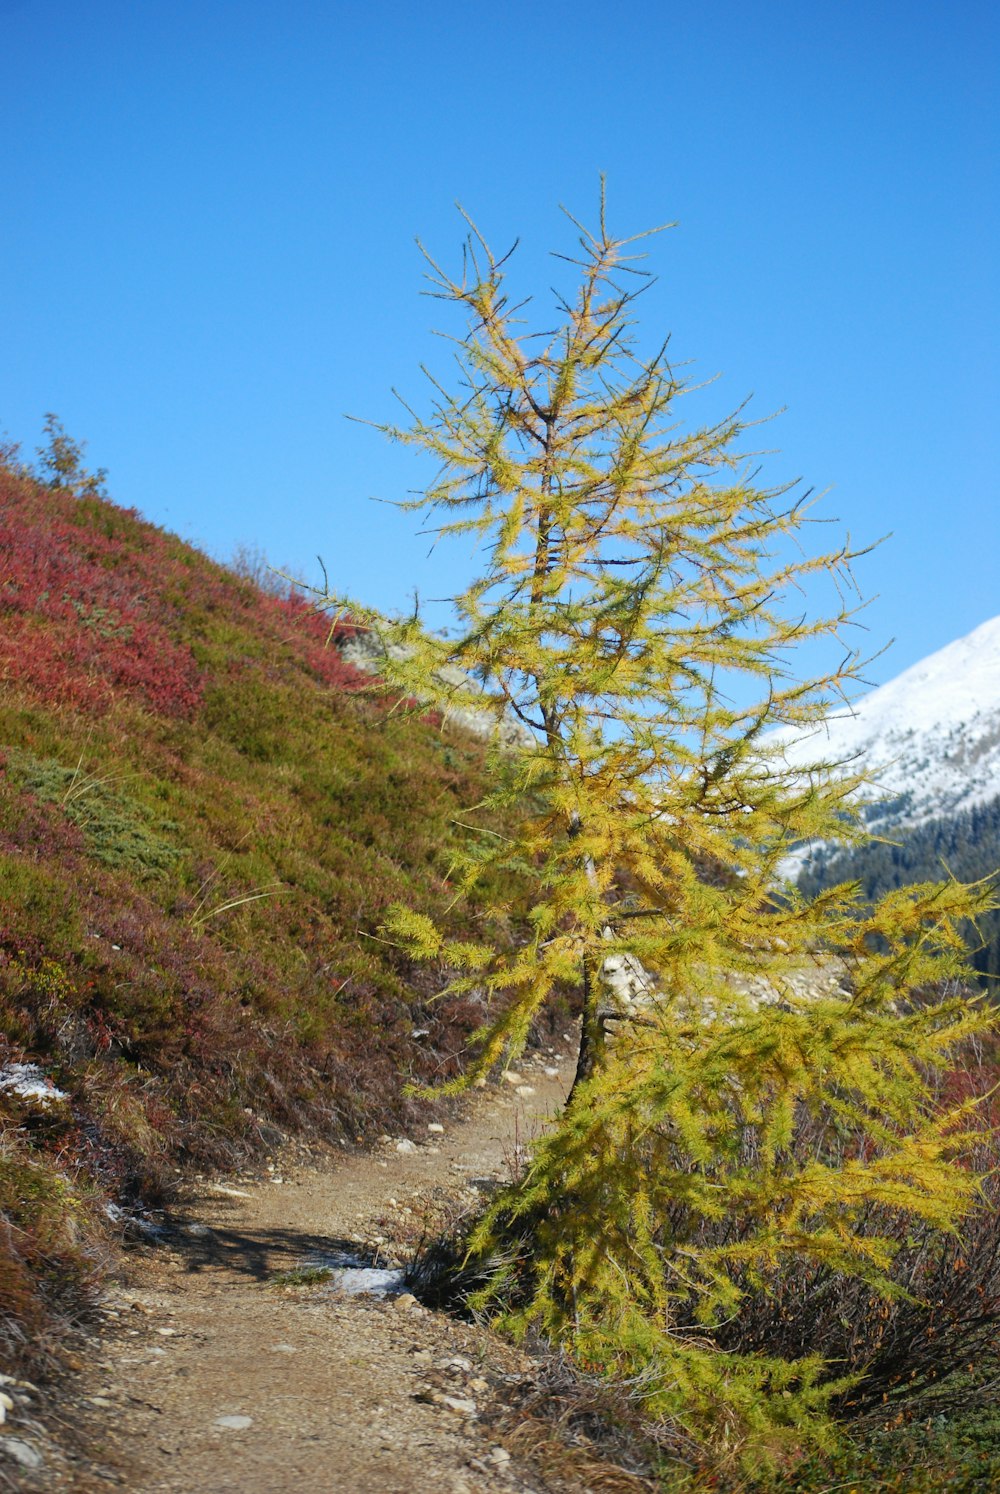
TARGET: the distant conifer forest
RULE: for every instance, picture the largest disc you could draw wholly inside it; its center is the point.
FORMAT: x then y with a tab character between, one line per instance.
966	847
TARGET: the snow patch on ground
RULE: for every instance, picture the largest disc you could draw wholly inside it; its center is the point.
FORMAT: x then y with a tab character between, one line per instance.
26	1081
366	1281
352	1276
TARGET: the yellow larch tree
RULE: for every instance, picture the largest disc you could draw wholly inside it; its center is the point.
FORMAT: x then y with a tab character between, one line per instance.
638	609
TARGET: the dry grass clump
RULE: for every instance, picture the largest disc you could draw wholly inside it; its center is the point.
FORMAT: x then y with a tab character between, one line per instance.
584	1433
52	1251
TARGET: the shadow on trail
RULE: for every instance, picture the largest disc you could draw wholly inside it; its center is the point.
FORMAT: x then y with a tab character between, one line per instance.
258	1253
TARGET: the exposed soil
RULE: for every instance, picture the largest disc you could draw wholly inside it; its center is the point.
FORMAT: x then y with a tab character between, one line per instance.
331	1393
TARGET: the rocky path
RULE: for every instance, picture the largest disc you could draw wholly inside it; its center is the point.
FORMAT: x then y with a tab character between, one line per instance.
212	1377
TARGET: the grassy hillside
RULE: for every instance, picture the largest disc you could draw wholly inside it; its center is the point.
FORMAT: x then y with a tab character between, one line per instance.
202	818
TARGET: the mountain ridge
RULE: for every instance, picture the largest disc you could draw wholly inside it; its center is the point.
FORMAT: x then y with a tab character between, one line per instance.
929	738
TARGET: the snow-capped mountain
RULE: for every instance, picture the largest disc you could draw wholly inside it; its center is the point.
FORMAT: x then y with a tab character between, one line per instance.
931	736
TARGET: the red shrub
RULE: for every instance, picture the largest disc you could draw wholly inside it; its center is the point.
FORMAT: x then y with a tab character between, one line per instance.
76	621
315	637
96	604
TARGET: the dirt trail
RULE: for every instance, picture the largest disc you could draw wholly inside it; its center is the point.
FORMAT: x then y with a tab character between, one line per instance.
328	1393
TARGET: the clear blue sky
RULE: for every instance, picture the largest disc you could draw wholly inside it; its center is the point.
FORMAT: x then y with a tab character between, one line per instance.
207	257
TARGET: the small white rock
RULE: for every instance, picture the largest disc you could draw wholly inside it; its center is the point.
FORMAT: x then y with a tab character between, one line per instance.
499	1455
284	1349
550	1073
455	1403
22	1452
525	1091
234	1423
405	1146
511	1077
435	1127
405	1299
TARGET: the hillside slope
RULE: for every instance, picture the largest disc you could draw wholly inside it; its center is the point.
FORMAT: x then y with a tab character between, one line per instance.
203	815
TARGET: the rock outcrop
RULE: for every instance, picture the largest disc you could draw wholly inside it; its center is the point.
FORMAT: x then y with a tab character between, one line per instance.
365	650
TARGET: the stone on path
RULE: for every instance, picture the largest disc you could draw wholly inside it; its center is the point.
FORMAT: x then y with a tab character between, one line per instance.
458	1404
22	1452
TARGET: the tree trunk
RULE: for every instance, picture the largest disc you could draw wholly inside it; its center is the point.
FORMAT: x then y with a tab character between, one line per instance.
592	1037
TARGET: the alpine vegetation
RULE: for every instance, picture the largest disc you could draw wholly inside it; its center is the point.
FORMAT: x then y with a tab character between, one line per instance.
638	607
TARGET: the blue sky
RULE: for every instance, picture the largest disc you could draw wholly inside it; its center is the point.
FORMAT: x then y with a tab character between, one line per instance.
207	256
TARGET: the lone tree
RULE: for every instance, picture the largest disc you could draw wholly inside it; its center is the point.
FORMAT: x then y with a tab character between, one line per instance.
637	610
60	462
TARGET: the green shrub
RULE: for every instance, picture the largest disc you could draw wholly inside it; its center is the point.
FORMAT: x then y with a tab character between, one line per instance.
114	825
